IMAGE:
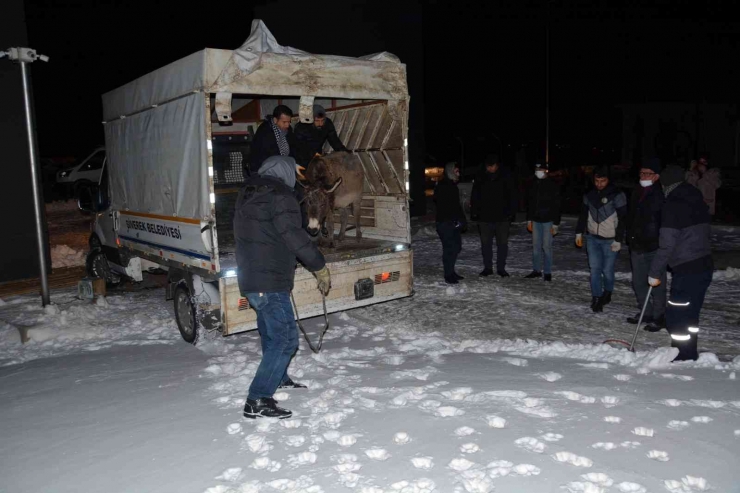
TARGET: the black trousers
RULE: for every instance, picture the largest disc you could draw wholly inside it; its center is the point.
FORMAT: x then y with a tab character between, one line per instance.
451	245
501	231
682	310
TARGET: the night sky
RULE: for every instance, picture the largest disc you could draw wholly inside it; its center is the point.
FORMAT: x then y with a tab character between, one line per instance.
483	64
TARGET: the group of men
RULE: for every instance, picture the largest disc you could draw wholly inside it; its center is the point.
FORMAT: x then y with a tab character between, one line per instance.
665	224
270	238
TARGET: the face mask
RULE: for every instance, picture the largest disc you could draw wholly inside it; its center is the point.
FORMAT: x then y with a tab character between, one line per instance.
539	174
646	183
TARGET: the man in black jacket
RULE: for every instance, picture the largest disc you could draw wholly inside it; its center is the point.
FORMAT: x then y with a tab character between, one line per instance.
643	227
685	247
269	237
493	201
274	137
451	220
310	137
543	220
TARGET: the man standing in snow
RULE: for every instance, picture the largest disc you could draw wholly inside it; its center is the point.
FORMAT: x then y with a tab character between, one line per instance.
643	227
603	211
543	221
685	247
706	179
451	220
269	237
493	199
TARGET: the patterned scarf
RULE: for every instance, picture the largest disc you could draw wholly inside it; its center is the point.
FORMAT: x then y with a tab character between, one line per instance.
282	142
667	190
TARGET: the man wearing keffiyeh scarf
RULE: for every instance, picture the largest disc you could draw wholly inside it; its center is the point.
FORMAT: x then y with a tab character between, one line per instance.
273	138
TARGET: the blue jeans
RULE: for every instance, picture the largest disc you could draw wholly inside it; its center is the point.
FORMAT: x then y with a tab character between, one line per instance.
601	260
279	333
541	241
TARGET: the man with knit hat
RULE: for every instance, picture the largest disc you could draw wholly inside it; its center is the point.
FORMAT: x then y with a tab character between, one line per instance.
685	247
310	137
643	227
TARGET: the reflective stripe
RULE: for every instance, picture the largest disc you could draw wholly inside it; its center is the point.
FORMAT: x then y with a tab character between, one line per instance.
694	330
677	304
677	337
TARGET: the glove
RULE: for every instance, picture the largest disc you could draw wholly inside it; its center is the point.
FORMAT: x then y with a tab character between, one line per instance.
529	226
579	240
653	282
323	279
554	229
616	246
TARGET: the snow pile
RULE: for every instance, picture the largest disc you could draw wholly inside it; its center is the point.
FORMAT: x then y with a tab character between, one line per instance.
730	274
64	256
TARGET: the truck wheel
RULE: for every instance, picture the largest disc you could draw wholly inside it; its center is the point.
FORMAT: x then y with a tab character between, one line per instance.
97	266
187	322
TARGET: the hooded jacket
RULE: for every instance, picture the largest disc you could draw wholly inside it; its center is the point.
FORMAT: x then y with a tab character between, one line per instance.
268	232
544	201
447	198
603	213
494	198
684	233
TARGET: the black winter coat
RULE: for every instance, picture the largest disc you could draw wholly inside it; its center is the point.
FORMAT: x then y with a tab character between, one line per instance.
544	202
269	237
447	199
265	145
310	140
643	218
494	196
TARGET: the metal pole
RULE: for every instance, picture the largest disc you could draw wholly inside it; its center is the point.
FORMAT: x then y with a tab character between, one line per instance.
37	193
547	88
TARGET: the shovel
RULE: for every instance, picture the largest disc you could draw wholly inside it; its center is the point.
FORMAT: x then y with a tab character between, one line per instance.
631	345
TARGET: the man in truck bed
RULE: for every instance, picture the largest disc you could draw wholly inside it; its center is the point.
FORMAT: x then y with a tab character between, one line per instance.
269	237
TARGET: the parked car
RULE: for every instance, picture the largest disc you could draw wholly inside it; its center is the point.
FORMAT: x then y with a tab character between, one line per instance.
86	173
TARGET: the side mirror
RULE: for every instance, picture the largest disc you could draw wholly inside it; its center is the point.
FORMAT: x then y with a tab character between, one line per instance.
86	201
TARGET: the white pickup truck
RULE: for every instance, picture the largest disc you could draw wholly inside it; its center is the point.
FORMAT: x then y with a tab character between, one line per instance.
176	140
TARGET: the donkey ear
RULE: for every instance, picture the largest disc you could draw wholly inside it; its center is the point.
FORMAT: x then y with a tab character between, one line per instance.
334	187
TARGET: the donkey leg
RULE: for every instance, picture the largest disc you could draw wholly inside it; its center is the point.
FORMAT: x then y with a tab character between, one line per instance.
329	221
356	210
344	218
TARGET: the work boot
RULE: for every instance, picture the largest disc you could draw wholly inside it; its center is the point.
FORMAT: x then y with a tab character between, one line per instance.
596	305
687	350
451	280
633	320
265	408
656	325
290	384
606	298
486	272
503	273
533	275
457	276
548	277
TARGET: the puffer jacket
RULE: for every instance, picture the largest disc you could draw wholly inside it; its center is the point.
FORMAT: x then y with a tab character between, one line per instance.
494	198
269	237
643	218
544	202
603	212
684	233
447	201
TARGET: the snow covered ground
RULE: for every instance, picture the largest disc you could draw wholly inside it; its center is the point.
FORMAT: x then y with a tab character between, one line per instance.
492	385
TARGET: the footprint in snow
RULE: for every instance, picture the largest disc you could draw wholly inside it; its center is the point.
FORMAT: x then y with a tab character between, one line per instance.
422	463
552	437
583	487
429	405
401	438
658	455
476	482
531	444
448	411
550	376
257	443
678	425
516	361
540	412
613	419
496	422
526	470
264	463
346	467
281	396
623	378
377	454
295	440
460	464
346	441
394	359
469	448
604	445
333	420
643	432
575	396
671	402
600	366
234	428
573	459
630	445
423	485
302	459
710	404
737	433
610	400
701	419
231	474
458	394
627	487
464	431
598	478
687	484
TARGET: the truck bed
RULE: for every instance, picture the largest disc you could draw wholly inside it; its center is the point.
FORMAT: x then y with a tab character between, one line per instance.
348	249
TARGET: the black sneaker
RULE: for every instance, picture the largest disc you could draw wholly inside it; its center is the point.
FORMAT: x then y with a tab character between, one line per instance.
503	273
290	384
596	305
633	320
548	277
451	280
265	408
652	328
606	298
486	272
533	275
457	276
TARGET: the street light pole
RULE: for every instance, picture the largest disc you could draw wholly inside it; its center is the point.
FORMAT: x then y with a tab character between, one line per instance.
547	87
462	154
24	56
